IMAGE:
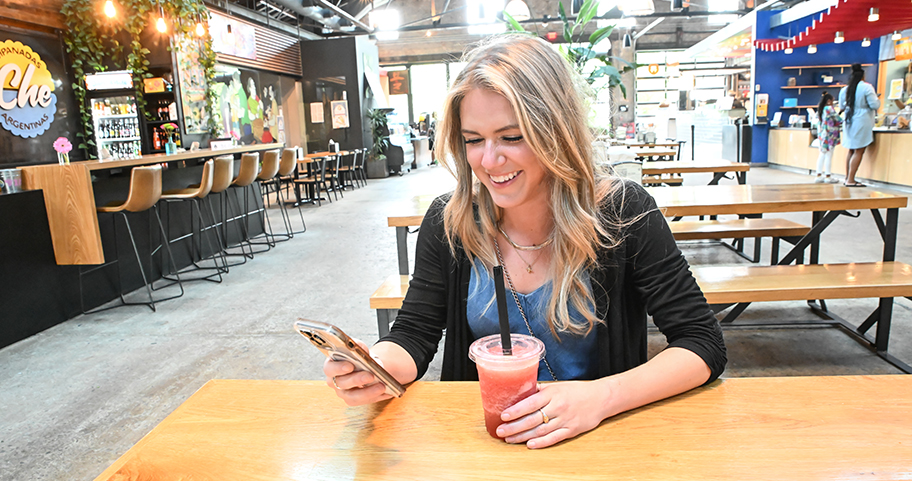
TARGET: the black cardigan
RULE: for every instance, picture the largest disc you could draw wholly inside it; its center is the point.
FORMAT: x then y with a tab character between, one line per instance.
646	273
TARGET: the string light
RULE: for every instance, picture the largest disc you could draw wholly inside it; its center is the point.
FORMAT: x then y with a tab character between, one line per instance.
788	50
160	24
109	9
866	42
812	48
874	15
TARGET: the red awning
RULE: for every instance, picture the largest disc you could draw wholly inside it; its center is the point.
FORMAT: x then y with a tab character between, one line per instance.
851	18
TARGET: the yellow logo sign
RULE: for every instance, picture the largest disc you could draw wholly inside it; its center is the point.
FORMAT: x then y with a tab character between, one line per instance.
27	99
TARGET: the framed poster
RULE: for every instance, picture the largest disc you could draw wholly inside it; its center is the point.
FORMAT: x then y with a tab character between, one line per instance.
193	85
339	114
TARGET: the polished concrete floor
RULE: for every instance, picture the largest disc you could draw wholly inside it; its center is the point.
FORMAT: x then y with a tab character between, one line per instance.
77	396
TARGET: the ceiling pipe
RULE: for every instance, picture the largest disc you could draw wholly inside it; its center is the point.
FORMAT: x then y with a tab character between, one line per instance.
346	16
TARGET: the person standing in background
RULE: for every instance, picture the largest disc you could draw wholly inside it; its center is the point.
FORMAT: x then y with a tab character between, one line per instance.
859	102
828	126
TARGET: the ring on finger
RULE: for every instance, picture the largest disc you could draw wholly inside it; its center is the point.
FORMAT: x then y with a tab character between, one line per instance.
545	417
334	383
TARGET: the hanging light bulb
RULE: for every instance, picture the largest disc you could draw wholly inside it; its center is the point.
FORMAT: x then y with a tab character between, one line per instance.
200	30
788	50
896	35
628	40
160	24
109	9
874	15
866	42
840	37
812	48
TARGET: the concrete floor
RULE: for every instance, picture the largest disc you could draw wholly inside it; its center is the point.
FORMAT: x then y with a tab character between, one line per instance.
77	396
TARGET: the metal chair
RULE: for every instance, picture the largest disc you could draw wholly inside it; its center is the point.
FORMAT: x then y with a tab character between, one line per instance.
279	184
144	194
196	194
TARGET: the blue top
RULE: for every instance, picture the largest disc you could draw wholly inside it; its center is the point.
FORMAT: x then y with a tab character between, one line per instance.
574	357
859	130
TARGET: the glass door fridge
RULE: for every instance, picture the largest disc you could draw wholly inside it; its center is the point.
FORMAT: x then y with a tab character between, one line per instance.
116	124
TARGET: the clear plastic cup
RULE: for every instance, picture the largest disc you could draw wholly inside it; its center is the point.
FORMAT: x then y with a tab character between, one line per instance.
505	380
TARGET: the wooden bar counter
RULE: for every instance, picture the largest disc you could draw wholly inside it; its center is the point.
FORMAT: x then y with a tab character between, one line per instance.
886	160
807	428
70	199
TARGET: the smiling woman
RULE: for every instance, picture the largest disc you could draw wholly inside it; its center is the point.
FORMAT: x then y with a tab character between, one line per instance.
571	241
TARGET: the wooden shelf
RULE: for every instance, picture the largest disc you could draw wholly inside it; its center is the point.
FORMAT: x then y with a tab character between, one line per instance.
842	68
812	86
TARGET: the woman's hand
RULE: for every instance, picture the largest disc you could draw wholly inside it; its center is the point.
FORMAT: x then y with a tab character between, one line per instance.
572	408
354	387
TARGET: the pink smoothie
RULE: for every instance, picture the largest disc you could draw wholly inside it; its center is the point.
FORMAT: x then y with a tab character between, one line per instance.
505	380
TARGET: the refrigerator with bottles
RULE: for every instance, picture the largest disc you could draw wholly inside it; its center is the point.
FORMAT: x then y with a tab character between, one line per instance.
115	118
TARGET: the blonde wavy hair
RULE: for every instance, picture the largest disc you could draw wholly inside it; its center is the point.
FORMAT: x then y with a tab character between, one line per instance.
545	94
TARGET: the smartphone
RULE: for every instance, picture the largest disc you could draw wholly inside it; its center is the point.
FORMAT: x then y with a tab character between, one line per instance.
337	346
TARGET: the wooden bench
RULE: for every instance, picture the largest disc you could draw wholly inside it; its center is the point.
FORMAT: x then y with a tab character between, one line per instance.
724	286
777	229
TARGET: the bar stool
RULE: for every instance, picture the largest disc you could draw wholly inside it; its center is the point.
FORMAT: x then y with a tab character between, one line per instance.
268	171
196	194
247	175
280	182
144	194
222	177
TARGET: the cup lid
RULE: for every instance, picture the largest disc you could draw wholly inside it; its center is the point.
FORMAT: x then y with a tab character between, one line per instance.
489	349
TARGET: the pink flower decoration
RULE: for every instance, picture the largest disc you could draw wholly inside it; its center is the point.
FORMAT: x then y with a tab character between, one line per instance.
62	145
169	127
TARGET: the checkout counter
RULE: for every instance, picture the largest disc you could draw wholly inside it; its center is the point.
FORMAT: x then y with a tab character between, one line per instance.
886	160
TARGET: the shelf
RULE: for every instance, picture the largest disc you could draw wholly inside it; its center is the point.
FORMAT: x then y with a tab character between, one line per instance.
813	86
800	107
119	116
841	68
159	121
119	139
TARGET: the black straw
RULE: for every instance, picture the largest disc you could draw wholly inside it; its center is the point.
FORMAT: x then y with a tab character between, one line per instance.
499	289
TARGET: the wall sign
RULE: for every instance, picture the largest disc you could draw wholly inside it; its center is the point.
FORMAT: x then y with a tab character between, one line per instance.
398	82
28	102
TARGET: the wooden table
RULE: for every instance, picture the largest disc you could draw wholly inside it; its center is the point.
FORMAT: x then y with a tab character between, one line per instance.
826	201
643	153
846	427
717	167
70	199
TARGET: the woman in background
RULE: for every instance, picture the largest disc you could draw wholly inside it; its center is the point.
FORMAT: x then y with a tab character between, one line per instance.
828	126
859	102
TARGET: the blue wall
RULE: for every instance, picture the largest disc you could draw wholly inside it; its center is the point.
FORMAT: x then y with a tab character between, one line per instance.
770	76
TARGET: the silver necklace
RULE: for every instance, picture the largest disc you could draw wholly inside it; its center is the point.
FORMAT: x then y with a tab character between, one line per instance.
522	312
533	247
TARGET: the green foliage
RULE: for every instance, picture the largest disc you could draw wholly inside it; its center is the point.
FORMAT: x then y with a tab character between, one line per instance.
579	53
379	127
90	41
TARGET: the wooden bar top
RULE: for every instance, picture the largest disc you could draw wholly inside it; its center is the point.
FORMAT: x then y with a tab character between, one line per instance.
70	200
151	159
839	427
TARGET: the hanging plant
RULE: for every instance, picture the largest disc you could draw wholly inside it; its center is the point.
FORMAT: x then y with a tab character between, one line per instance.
90	41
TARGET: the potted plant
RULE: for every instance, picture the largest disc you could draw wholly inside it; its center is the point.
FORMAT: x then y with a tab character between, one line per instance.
376	161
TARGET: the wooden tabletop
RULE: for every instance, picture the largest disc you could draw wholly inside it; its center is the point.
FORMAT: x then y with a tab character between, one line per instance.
645	152
762	199
844	427
689	167
151	159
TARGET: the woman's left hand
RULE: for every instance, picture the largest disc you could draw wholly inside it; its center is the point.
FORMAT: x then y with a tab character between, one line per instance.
570	408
